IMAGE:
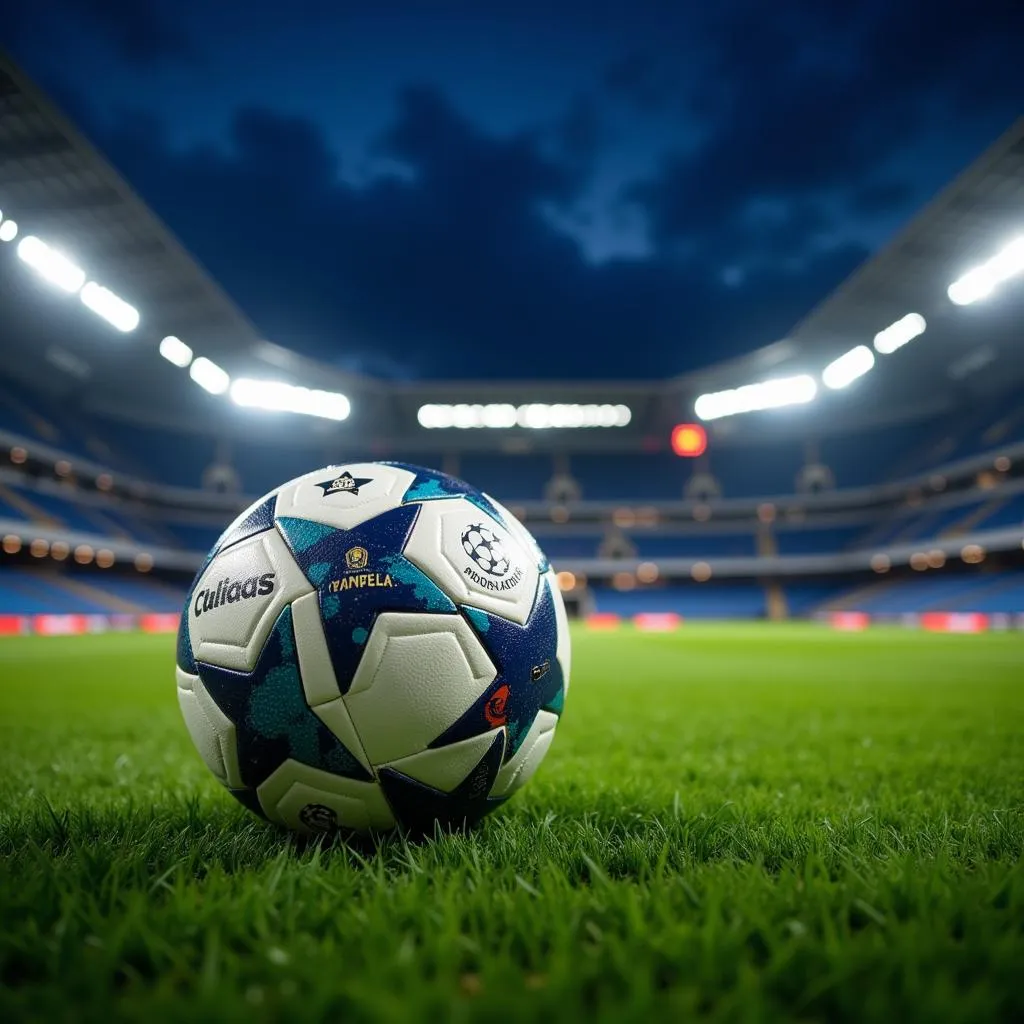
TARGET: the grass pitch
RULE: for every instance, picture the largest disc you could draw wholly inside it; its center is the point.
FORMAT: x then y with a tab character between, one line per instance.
735	823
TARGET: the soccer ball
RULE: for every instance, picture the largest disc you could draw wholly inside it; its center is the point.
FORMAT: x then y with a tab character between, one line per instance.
373	645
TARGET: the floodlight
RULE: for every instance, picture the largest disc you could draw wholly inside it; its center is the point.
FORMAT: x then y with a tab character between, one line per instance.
209	376
174	350
981	281
431	417
842	372
8	230
50	264
768	394
532	416
897	334
103	302
277	396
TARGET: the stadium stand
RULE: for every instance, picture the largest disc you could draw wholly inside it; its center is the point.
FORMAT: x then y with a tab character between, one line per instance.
901	495
727	601
991	592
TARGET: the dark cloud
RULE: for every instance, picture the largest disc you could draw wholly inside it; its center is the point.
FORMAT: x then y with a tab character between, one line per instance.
807	100
450	270
881	197
642	81
579	135
760	144
141	32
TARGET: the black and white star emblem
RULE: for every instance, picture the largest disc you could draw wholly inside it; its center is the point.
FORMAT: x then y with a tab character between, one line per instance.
346	483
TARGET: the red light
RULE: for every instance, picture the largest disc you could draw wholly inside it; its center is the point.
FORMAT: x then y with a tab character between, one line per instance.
689	440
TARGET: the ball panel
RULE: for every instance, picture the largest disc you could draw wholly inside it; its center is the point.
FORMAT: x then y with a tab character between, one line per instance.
238	599
258	517
422	808
295	795
516	773
444	768
530	676
318	680
315	667
359	573
344	496
418	675
448	544
522	534
212	732
272	719
431	484
335	715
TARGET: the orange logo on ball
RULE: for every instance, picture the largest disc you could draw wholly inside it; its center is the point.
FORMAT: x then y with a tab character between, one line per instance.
494	709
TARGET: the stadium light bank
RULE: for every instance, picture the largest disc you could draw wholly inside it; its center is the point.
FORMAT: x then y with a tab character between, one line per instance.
62	272
532	416
277	396
57	269
801	389
767	394
267	395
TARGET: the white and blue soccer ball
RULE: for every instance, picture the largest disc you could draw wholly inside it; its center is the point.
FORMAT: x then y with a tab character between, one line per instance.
373	645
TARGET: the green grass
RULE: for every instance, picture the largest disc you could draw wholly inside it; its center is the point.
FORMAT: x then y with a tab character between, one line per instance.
737	823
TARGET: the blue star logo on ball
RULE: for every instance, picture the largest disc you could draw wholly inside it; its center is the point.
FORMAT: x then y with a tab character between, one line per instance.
346	483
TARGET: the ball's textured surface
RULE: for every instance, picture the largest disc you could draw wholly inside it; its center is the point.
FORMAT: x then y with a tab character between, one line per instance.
370	645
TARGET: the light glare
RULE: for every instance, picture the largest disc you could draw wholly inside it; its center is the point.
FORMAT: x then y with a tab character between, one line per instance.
277	396
842	372
982	281
897	334
51	265
175	351
532	416
103	302
768	394
209	376
8	230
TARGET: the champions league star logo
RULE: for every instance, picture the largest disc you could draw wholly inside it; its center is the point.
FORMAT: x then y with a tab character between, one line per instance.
484	546
346	483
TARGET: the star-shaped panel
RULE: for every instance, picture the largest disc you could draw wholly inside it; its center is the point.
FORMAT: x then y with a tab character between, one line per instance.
351	598
431	484
529	675
418	806
272	720
256	519
344	483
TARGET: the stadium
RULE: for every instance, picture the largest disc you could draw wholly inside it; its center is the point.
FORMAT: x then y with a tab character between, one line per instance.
789	780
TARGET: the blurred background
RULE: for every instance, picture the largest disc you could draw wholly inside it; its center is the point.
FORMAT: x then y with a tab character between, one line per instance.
733	347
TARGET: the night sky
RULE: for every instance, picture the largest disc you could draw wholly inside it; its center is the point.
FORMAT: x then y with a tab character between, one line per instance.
554	189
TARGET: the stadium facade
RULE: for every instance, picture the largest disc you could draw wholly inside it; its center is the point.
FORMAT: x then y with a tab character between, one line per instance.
867	465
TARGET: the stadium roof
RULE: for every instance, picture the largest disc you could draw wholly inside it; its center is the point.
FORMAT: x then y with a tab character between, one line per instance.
962	226
59	187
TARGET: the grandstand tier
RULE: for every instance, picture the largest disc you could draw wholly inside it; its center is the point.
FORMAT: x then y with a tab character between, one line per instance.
903	493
